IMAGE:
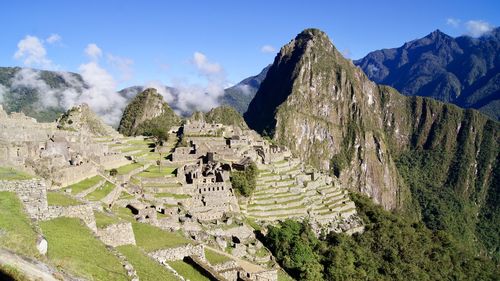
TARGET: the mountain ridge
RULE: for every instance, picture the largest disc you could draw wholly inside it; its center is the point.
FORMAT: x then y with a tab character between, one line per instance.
462	70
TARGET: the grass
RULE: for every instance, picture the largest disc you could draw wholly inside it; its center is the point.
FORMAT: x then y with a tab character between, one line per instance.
84	184
100	192
73	247
125	195
156	172
253	224
128	168
283	276
123	213
215	258
187	271
173	195
147	268
103	220
61	199
151	238
10	174
16	232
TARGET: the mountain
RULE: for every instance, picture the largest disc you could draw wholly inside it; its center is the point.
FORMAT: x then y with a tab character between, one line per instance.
35	92
240	95
424	159
145	112
464	71
223	114
82	119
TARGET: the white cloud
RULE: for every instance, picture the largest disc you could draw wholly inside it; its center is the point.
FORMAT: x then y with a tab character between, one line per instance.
453	22
124	66
32	52
476	28
93	52
267	49
29	78
204	66
53	38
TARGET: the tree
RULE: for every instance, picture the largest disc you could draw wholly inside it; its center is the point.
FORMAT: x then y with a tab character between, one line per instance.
160	136
113	172
245	181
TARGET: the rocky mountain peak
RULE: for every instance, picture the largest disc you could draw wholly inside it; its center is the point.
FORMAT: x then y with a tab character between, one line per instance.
81	118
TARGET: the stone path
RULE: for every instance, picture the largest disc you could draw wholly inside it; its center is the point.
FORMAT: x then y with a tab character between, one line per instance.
34	270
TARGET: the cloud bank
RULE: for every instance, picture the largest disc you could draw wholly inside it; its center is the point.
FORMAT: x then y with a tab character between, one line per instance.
98	88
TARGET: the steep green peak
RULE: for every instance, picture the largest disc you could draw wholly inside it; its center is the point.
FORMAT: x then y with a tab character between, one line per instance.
146	112
197	116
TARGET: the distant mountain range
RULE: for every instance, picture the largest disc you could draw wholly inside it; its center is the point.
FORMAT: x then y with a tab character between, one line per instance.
464	71
41	93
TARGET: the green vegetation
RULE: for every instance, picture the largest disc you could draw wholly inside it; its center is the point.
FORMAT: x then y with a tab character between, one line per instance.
103	220
156	172
100	192
392	247
226	115
215	258
173	195
7	173
60	199
128	168
16	232
137	108
151	238
245	181
187	271
74	248
147	268
85	184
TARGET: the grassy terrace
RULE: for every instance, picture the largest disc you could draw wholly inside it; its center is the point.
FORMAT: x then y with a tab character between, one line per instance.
123	213
289	215
61	199
101	191
215	258
103	220
7	173
187	271
128	168
300	198
74	248
172	195
151	238
156	172
17	233
84	184
147	268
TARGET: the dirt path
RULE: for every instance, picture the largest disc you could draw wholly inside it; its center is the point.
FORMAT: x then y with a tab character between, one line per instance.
32	270
247	266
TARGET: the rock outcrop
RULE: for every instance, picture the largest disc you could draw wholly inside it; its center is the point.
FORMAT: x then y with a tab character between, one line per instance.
82	119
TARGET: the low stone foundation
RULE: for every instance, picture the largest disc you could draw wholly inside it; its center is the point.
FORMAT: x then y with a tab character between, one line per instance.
117	234
179	253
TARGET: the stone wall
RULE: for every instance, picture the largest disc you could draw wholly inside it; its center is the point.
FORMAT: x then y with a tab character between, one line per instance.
179	253
73	174
83	212
32	193
117	234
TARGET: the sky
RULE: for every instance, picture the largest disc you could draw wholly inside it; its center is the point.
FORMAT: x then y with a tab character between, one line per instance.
202	43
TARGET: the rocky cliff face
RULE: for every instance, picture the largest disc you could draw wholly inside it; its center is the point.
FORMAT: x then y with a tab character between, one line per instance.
322	107
146	111
333	117
82	119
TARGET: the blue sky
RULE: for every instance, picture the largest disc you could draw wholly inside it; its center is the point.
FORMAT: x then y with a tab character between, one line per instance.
183	42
